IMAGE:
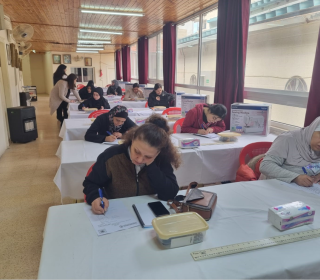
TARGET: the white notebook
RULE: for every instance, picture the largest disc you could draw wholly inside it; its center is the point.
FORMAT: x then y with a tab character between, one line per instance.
210	135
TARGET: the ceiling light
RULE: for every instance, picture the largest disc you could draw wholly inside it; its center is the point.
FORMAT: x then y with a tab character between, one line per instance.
94	42
105	12
90	49
90	46
101	31
87	52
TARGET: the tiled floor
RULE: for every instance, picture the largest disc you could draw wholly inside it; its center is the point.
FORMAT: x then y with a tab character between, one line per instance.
27	191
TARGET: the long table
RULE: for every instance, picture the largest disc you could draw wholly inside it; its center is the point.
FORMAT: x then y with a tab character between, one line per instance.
113	103
75	129
132	112
206	164
72	250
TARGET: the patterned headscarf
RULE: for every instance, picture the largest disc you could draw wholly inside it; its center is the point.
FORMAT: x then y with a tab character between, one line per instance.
117	111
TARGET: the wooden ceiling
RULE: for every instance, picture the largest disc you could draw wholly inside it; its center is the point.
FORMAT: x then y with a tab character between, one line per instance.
56	22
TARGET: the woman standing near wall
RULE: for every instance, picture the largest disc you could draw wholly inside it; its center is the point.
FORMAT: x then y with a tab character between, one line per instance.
59	74
59	96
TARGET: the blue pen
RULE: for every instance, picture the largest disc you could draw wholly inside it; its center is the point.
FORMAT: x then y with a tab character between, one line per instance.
109	133
101	197
304	171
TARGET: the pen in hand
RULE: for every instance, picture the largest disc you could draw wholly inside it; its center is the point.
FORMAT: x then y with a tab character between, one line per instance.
101	203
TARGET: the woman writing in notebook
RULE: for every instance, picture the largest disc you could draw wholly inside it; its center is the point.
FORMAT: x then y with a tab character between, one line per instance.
110	126
295	156
204	119
96	101
140	166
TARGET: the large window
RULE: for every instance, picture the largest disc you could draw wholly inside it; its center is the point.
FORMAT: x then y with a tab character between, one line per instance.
156	58
280	56
84	74
134	61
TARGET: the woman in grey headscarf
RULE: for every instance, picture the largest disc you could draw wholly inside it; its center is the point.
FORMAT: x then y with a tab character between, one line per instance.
295	156
114	89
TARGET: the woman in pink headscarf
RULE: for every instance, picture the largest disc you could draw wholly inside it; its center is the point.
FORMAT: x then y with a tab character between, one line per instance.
295	156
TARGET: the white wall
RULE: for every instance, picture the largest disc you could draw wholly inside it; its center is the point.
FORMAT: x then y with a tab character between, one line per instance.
105	61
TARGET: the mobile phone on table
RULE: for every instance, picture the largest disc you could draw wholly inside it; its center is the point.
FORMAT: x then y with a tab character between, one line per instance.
158	209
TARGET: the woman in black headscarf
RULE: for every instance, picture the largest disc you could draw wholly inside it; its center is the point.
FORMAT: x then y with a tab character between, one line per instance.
114	89
96	101
87	91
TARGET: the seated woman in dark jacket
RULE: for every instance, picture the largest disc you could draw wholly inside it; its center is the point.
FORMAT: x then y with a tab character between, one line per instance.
96	101
140	166
87	91
115	122
114	89
158	97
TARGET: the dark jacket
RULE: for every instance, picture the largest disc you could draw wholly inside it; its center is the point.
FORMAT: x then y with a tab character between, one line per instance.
194	119
111	91
165	99
97	132
92	103
84	94
116	175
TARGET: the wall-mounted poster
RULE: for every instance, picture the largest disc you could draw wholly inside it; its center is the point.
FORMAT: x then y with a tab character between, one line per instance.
67	59
13	55
87	61
8	54
56	59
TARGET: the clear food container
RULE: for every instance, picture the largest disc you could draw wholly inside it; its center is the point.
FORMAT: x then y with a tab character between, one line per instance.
179	230
228	136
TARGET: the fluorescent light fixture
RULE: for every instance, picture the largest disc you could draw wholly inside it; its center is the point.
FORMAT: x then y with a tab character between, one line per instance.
90	49
90	46
106	12
87	51
94	42
100	31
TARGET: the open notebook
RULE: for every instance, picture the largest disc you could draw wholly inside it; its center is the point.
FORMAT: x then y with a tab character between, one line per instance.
210	135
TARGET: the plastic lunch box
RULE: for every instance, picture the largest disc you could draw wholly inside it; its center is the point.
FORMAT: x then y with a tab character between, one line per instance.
179	230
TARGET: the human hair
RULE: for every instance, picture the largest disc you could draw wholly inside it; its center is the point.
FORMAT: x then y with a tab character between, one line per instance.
156	132
157	85
135	85
218	110
70	80
59	72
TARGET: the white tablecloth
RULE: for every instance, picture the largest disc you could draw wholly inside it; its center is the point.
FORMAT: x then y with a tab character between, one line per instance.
132	112
72	250
207	164
75	129
113	103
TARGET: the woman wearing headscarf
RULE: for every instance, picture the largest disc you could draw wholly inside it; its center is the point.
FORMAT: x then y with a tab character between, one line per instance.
96	101
114	89
110	126
295	156
86	92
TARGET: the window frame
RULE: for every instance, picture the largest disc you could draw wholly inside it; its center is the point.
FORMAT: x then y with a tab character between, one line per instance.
137	66
94	76
157	79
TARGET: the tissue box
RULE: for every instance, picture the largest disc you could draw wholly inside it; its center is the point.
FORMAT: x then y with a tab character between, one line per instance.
291	215
140	121
189	143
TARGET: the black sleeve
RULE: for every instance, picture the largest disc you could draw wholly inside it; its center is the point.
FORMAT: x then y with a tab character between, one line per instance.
110	91
128	124
151	100
119	91
98	178
83	104
106	104
92	132
163	180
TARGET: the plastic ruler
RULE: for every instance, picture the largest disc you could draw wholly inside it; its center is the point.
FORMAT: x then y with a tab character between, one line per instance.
254	245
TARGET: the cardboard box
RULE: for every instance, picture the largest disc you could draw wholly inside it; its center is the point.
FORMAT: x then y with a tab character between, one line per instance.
189	101
250	118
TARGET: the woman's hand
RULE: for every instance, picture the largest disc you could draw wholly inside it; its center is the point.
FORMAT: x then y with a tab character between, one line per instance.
84	108
102	107
158	98
210	130
304	180
110	138
316	179
72	101
96	206
203	131
117	134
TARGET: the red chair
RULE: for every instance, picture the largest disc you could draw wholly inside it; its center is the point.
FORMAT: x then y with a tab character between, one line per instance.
146	106
172	111
89	171
80	86
179	122
122	97
252	150
97	113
